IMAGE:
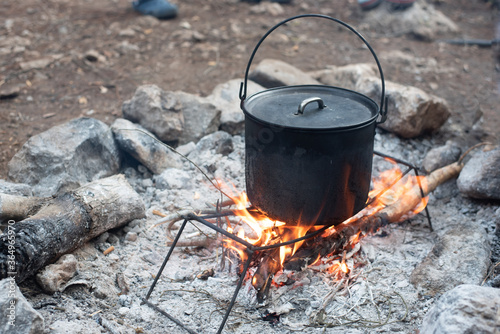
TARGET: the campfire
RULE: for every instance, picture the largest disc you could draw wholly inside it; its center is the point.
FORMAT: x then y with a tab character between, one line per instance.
265	248
390	188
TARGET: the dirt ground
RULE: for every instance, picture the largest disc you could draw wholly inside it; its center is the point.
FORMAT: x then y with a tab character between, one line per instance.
92	55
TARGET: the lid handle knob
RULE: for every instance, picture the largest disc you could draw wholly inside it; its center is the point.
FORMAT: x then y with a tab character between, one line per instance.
304	103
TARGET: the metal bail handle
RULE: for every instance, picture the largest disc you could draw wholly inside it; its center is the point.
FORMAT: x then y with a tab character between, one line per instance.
383	99
303	104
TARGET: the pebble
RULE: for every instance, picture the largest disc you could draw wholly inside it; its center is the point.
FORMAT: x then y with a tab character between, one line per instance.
131	236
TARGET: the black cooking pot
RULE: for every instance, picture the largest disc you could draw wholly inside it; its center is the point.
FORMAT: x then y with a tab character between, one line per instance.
309	148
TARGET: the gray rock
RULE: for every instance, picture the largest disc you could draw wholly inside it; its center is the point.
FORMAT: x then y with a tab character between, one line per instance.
411	111
54	277
18	316
131	236
172	116
157	111
66	157
218	142
267	8
226	98
441	156
186	148
480	177
200	117
274	73
421	20
460	256
345	76
173	178
465	309
10	188
144	147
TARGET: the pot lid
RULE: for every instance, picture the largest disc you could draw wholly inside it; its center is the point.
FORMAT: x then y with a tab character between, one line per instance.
311	107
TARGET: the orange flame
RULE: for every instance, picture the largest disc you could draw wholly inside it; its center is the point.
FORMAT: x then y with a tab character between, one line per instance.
258	229
391	188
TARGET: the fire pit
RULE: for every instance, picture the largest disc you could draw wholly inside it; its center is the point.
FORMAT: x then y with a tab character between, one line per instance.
308	176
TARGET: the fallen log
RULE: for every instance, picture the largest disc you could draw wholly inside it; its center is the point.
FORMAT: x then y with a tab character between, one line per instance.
335	240
65	223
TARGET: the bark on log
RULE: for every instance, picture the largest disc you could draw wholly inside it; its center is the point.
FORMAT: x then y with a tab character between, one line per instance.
339	237
66	223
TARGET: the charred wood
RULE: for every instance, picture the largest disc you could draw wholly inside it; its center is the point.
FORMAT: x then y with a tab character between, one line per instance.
65	223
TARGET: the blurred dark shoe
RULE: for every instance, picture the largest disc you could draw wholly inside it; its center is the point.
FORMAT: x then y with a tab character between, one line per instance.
160	9
278	1
400	4
369	4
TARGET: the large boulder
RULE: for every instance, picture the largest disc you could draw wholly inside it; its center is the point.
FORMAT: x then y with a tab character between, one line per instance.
172	116
143	146
480	177
411	111
465	309
66	156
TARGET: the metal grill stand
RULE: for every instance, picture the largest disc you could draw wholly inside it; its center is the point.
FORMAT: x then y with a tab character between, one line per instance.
250	249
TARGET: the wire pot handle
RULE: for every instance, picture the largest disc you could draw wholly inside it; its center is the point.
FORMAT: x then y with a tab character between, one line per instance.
383	99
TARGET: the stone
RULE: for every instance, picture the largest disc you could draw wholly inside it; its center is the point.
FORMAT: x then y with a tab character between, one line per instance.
465	309
275	73
186	148
421	20
345	76
172	116
268	8
65	157
10	91
94	56
480	177
143	146
157	111
411	111
54	277
226	97
219	142
11	188
200	117
39	63
460	256
441	156
131	236
17	314
173	178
